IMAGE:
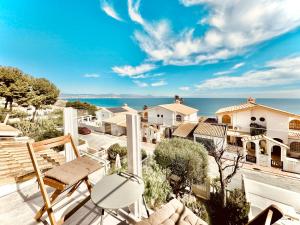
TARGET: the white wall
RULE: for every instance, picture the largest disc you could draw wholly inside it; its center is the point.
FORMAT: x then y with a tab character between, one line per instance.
217	140
117	130
168	118
103	114
291	165
191	118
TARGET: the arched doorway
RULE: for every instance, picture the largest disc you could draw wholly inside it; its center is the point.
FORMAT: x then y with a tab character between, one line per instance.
278	139
250	147
294	151
263	146
276	156
226	119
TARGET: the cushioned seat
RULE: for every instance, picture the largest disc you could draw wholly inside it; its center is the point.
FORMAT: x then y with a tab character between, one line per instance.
73	171
174	212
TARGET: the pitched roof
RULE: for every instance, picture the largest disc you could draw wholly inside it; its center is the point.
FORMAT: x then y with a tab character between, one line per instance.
122	109
180	108
184	129
250	105
119	120
211	129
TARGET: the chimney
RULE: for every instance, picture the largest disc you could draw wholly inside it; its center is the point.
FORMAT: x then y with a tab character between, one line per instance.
125	105
251	100
177	101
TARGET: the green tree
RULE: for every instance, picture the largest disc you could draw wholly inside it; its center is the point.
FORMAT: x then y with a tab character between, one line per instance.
157	189
185	159
83	106
14	86
43	92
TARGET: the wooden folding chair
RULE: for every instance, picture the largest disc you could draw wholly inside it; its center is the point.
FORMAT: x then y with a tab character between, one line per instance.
67	176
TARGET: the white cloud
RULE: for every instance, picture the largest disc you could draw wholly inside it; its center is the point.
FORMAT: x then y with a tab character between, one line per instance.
238	65
133	71
234	26
159	83
140	84
109	10
278	72
184	88
91	75
231	70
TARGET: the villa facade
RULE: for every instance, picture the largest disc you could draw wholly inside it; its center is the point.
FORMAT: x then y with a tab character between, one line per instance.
268	136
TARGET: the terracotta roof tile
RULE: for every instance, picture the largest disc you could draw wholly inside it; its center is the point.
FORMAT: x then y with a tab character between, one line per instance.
180	108
184	129
215	130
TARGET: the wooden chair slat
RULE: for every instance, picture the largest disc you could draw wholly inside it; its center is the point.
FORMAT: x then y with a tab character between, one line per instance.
52	140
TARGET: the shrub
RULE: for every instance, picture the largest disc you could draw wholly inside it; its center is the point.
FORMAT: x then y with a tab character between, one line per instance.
185	159
196	206
235	212
157	189
39	130
237	208
83	106
115	149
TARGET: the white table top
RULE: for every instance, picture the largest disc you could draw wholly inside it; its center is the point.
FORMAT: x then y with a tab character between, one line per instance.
116	191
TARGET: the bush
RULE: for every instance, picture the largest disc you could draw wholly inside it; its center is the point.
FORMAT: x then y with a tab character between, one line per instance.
237	208
185	159
39	130
197	207
115	149
83	106
157	189
236	211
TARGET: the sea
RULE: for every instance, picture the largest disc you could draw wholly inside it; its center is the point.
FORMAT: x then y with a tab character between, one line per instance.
206	106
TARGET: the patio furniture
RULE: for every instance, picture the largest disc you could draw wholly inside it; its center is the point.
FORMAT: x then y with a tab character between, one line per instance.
67	176
174	212
117	191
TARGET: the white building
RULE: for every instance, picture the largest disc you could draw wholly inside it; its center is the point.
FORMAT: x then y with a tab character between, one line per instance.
170	115
166	118
269	136
113	120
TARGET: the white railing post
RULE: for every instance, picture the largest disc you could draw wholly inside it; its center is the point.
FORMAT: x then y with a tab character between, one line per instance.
134	153
70	127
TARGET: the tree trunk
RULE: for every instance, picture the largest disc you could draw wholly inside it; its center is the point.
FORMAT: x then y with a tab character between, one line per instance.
6	103
223	195
10	106
34	115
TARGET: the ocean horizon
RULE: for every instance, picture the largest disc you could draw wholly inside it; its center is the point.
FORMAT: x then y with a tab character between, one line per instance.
206	106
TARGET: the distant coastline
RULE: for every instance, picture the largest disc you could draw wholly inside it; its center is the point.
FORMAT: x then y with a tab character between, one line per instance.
206	106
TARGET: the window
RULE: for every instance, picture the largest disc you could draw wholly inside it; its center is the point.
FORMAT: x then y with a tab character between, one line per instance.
295	124
253	118
226	119
178	118
262	119
161	116
157	115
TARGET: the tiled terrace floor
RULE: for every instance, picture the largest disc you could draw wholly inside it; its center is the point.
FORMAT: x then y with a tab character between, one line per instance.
21	206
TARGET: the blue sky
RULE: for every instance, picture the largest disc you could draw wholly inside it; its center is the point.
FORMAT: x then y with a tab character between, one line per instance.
198	48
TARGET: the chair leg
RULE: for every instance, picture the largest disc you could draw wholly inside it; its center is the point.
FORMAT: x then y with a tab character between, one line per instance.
40	213
74	188
51	216
88	184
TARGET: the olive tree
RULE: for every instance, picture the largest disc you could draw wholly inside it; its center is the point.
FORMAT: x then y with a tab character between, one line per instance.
185	159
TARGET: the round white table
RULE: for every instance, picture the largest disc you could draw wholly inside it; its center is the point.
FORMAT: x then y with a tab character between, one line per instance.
117	191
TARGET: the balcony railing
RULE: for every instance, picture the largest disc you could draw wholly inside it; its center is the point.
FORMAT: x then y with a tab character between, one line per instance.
251	158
